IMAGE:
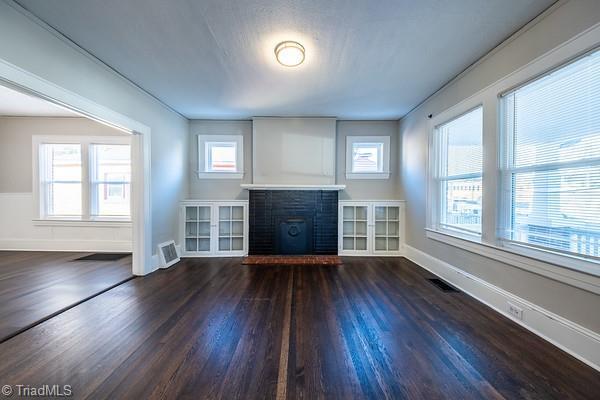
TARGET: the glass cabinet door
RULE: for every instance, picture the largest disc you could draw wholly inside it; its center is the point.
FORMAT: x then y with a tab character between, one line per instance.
231	228
197	228
355	228
387	228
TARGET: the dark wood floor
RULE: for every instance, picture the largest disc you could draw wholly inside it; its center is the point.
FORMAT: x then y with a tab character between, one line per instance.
35	285
371	328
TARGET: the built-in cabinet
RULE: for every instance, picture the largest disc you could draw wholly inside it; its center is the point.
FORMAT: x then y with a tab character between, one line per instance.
214	228
371	227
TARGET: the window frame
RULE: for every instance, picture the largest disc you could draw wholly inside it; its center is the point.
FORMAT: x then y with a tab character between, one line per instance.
435	201
204	171
384	141
39	193
506	170
565	268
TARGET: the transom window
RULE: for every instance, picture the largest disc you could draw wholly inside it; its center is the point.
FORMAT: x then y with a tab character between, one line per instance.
83	178
551	160
458	171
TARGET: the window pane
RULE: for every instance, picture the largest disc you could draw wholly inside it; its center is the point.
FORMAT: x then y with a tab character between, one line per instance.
462	204
367	157
113	200
558	209
557	118
111	180
60	169
222	157
553	128
461	144
64	199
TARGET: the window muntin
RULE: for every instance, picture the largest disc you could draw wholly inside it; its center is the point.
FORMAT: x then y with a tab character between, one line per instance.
61	179
367	157
551	160
110	185
459	170
221	157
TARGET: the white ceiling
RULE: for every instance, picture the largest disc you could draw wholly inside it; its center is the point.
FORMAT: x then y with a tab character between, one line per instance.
17	104
365	59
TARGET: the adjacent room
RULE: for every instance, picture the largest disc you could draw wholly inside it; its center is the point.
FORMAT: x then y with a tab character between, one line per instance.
301	199
65	208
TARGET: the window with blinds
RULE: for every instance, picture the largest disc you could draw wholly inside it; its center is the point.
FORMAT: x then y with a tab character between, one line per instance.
551	160
458	175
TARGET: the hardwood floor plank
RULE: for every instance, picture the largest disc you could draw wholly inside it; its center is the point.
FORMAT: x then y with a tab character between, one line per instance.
37	285
372	328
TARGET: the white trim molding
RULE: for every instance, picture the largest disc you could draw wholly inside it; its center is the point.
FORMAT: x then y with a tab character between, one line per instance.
551	269
578	341
268	186
83	245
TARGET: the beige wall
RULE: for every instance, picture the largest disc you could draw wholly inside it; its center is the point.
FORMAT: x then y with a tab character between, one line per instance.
16	149
562	24
369	189
218	189
228	189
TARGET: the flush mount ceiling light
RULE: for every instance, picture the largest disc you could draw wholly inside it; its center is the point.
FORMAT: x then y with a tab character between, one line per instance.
289	53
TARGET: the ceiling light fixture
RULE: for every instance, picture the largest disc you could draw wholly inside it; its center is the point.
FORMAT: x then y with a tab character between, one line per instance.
289	53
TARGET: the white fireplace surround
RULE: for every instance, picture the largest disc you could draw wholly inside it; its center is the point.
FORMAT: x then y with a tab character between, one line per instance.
264	186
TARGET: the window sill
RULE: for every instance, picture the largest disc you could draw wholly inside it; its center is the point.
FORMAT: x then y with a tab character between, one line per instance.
220	175
563	268
98	223
370	175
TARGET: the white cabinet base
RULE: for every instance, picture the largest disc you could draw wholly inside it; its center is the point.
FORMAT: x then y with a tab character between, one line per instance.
371	228
214	228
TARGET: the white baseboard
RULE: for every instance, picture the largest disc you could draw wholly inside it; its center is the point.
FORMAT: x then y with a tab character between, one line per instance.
124	246
578	341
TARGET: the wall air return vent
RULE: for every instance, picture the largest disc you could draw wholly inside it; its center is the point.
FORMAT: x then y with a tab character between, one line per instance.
167	253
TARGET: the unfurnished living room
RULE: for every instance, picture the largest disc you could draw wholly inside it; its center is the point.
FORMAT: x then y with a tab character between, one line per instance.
300	199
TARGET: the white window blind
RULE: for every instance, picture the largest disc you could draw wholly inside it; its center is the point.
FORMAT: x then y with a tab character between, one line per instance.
458	175
551	160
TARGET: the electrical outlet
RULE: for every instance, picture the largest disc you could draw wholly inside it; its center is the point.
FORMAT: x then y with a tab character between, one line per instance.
515	311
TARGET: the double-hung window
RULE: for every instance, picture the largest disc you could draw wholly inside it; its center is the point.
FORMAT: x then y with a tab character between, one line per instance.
110	172
61	179
550	153
83	178
457	174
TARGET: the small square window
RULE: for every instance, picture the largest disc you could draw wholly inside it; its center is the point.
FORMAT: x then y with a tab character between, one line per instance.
220	156
367	157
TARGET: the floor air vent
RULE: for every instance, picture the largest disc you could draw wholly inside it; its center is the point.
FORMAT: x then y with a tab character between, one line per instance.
103	257
443	286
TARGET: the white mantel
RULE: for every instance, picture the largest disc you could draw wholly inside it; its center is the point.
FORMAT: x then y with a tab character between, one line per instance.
266	186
